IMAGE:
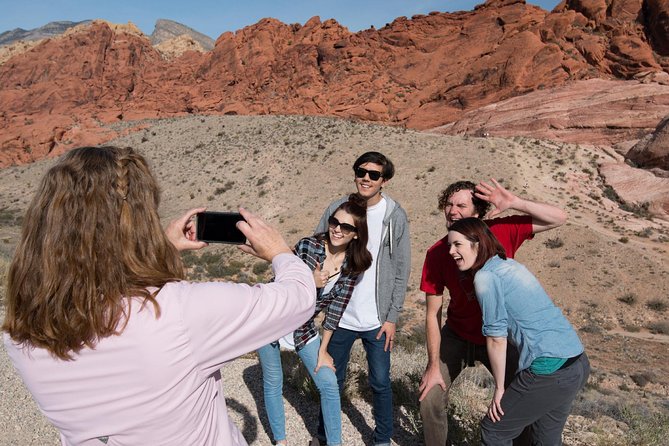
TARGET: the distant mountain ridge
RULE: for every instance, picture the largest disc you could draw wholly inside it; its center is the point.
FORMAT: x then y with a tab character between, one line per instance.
169	29
164	30
51	29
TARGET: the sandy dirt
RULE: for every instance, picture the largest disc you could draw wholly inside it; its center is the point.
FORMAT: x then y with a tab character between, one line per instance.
289	168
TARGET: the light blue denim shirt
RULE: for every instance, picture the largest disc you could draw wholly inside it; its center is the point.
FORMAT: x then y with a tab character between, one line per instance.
515	305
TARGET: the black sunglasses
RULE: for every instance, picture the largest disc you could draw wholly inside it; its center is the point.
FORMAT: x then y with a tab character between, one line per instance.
373	174
345	228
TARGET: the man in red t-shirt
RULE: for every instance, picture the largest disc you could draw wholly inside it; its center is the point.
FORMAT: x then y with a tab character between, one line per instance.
460	342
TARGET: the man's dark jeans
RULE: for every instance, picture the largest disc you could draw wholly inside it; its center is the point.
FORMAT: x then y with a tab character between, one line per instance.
378	363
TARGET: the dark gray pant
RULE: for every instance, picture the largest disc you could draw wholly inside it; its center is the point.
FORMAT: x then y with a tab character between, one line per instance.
542	401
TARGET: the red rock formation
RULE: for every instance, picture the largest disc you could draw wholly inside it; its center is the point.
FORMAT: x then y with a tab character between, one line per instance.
653	150
421	73
596	111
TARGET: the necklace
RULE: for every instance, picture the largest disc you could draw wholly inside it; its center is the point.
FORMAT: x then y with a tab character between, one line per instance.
335	261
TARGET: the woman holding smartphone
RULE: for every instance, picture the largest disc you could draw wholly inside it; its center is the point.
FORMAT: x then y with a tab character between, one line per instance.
552	366
114	345
336	257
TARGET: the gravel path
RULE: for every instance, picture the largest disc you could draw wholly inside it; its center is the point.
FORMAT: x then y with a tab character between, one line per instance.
21	422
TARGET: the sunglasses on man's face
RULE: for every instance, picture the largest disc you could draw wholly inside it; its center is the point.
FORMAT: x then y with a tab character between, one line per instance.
374	175
345	228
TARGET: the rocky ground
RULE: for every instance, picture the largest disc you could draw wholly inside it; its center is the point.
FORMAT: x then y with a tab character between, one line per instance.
607	267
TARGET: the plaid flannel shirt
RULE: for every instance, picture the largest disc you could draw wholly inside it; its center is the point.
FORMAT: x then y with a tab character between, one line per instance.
312	250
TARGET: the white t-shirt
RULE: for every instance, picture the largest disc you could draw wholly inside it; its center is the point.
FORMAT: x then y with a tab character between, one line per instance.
361	313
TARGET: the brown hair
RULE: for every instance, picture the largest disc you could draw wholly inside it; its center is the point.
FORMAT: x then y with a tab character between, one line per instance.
91	238
481	206
358	258
476	231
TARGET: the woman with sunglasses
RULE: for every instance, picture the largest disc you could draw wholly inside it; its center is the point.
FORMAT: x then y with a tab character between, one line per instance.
553	366
336	258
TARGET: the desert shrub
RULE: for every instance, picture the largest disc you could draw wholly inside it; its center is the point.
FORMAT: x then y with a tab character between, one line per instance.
470	394
296	376
190	259
229	269
412	339
643	378
632	328
611	194
623	239
10	217
628	298
645	428
591	327
553	243
657	305
659	327
225	188
260	267
644	233
640	210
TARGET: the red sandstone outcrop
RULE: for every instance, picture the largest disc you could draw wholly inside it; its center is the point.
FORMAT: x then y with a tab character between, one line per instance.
421	72
638	186
653	150
596	111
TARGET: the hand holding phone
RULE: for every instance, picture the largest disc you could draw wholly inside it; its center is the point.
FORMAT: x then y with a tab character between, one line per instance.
181	232
219	227
265	241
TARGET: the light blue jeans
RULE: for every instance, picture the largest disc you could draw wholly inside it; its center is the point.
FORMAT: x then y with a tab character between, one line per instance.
326	382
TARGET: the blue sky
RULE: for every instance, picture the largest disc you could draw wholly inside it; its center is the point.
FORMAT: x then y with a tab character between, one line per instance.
213	17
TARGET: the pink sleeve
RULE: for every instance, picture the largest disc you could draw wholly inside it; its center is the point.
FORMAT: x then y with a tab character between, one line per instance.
226	320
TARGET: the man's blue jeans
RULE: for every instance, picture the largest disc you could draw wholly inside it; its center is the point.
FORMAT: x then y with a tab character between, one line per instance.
326	382
378	364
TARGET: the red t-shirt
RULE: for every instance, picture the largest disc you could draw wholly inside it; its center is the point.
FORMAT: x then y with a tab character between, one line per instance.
463	315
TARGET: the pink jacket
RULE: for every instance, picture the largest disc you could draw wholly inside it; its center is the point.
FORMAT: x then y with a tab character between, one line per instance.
158	383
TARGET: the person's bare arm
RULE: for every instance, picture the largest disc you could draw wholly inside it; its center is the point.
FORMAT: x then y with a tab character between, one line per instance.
432	375
324	358
544	216
497	355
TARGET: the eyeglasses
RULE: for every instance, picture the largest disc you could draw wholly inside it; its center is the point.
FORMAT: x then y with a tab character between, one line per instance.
374	175
345	228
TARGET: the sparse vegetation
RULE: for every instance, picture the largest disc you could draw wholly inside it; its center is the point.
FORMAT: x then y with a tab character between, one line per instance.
628	298
260	267
10	217
659	327
657	305
644	233
553	243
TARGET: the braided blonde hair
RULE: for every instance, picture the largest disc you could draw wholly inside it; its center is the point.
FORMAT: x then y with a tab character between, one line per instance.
91	239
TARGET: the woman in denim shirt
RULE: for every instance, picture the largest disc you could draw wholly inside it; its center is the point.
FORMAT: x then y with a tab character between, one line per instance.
553	366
